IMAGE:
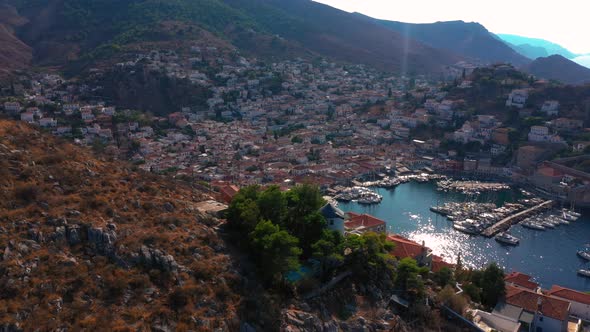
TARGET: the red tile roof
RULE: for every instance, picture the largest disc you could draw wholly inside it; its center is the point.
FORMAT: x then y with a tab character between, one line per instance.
362	220
229	190
405	247
522	280
438	263
535	302
569	294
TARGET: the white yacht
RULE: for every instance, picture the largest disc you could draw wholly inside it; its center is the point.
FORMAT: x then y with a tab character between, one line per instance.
585	273
568	216
571	212
507	238
584	254
466	228
532	225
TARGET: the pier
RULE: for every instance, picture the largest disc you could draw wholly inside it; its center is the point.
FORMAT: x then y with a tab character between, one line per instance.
505	223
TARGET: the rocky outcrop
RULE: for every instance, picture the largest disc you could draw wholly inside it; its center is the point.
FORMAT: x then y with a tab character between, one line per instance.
293	320
103	239
158	259
169	207
10	328
300	321
36	235
73	235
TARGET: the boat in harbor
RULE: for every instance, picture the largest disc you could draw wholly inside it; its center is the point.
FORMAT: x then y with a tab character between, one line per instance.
440	210
567	215
369	200
571	212
584	254
532	225
585	273
507	238
468	226
472	230
362	195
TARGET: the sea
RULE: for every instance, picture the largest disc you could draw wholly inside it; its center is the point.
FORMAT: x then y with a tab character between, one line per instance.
548	256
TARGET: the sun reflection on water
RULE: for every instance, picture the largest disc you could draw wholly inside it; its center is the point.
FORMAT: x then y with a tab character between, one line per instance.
548	256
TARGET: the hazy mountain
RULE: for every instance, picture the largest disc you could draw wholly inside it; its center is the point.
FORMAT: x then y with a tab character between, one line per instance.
559	68
530	51
529	46
466	39
61	31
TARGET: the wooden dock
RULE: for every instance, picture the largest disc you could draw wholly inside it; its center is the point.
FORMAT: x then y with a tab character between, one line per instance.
505	223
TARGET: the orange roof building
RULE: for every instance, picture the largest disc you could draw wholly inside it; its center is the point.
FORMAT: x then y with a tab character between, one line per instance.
521	280
541	305
580	302
361	223
423	255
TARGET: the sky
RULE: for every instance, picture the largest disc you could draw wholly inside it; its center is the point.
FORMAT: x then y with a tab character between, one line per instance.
564	22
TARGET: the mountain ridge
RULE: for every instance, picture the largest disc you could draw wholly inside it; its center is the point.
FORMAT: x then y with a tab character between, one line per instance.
551	48
559	68
65	31
468	39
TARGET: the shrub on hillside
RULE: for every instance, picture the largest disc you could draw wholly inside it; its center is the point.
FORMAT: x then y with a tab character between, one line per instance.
26	193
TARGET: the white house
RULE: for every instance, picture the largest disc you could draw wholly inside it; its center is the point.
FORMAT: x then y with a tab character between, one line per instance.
550	107
27	117
517	98
497	149
334	217
12	107
580	302
535	311
87	115
47	122
539	134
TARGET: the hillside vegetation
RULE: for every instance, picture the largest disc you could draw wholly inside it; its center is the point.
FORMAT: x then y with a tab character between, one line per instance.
91	244
63	30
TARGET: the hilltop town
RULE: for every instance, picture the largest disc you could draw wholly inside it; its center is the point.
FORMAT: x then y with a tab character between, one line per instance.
295	121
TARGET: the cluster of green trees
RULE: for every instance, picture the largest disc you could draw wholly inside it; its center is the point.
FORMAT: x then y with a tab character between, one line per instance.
282	229
485	286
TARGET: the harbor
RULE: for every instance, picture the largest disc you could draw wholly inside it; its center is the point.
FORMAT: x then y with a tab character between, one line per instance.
362	195
551	255
505	223
470	187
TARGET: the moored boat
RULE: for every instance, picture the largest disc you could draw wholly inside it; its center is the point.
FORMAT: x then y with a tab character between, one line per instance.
585	273
533	225
584	254
507	238
466	229
568	216
571	212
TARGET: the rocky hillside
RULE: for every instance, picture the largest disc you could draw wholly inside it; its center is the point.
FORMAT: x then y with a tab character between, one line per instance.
14	54
556	67
91	244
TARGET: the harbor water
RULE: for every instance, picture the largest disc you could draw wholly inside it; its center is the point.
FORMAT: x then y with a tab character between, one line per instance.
549	256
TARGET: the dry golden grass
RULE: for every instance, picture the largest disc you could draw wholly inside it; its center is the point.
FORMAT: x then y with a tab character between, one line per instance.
44	178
